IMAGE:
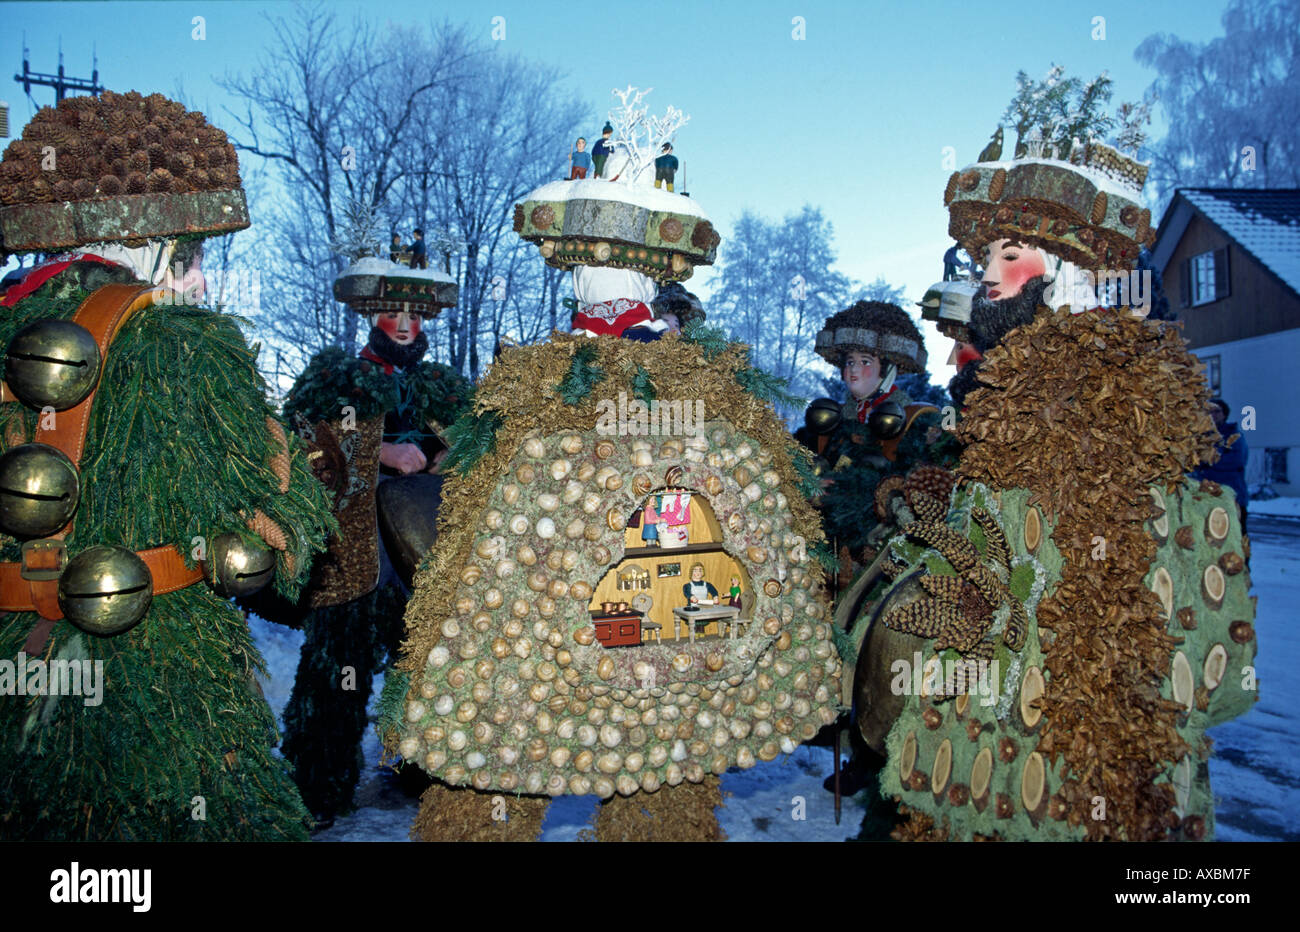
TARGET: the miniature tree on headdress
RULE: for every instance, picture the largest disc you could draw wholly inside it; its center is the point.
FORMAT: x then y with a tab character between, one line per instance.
640	136
360	231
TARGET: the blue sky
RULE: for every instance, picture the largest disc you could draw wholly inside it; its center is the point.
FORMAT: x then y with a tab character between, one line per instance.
854	118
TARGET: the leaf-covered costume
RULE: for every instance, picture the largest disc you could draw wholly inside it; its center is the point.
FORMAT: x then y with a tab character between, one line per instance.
178	447
324	721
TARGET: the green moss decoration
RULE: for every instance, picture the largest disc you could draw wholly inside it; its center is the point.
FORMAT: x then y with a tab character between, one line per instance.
582	377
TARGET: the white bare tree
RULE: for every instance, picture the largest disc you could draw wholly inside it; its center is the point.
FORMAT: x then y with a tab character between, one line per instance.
638	135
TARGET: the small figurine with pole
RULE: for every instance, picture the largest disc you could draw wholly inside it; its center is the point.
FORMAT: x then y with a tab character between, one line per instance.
580	160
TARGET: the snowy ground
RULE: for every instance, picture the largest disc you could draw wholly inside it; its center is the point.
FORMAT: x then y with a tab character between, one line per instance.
1255	770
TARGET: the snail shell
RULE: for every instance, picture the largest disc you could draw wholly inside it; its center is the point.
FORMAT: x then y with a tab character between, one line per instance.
605	668
538	581
520	608
450	628
409	748
525	473
585	471
510	493
481	621
616	520
560	469
571	444
572	492
604	474
518	525
713	484
585	636
643	458
605	449
489	547
494	520
439	656
546	606
593	532
493	598
756	554
470	575
545	528
573	530
534	448
601	555
506	568
641	484
752	492
591	503
772	588
527	555
548	501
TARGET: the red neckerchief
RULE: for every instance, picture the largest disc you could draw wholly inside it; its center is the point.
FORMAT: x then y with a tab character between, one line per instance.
368	353
866	406
612	317
43	273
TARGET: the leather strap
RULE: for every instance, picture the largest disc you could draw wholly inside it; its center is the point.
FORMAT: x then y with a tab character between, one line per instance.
165	563
103	314
912	412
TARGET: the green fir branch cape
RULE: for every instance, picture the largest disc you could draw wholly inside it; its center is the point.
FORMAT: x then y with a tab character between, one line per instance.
180	748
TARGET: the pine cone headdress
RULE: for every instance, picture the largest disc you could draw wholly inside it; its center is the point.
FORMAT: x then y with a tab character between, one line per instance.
1087	211
883	330
117	168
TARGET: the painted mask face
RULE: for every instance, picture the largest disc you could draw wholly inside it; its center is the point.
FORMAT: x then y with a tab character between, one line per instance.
962	353
1007	266
697	574
861	373
399	326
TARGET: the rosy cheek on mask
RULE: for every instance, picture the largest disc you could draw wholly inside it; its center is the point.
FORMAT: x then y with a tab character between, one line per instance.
395	326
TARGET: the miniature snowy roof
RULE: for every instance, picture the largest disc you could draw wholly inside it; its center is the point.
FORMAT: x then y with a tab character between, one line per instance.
1264	222
371	284
608	223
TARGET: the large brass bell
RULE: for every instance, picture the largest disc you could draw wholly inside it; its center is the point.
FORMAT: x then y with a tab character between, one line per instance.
237	568
105	590
52	362
886	421
39	489
823	416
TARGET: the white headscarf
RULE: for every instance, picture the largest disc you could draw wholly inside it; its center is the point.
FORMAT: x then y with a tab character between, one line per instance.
149	262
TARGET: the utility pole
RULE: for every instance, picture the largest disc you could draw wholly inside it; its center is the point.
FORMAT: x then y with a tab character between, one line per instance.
61	83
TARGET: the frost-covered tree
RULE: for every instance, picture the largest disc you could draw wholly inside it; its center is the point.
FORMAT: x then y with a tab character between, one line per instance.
638	135
1232	104
360	230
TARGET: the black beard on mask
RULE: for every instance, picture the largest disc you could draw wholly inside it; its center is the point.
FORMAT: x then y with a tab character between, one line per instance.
990	321
401	355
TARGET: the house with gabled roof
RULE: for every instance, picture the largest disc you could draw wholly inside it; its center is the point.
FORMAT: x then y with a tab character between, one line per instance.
1230	259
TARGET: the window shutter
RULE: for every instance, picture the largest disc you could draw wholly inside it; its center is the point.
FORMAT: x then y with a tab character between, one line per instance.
1185	283
1221	273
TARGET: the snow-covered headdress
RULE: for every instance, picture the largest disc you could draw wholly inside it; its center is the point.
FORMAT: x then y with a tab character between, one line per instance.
1086	211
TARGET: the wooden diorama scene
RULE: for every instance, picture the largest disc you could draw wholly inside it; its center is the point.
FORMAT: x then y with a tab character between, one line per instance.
642	599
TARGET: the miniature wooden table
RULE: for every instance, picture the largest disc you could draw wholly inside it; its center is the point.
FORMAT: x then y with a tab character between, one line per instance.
719	613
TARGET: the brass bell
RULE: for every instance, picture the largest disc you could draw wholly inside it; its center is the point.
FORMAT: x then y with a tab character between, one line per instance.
39	489
52	362
237	568
823	416
105	590
886	421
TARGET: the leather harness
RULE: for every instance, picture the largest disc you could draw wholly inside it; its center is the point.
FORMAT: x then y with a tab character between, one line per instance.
33	583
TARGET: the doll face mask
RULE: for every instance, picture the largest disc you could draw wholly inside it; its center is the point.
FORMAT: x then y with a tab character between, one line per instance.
399	326
1008	265
861	373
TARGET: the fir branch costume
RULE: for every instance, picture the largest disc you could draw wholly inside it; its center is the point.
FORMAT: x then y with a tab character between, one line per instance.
177	448
181	452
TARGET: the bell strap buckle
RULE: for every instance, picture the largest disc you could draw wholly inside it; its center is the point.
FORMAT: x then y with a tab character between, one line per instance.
43	560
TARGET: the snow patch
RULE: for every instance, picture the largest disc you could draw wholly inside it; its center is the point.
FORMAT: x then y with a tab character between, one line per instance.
597	189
